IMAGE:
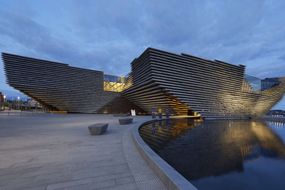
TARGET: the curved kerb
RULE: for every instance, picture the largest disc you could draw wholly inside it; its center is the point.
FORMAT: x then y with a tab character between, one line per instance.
168	175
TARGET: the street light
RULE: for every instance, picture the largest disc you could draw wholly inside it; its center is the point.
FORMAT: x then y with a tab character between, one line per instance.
4	101
18	102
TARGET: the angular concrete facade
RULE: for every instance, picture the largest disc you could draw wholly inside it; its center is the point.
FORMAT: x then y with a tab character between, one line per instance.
182	84
59	86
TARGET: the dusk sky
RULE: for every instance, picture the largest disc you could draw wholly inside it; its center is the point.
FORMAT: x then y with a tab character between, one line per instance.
108	35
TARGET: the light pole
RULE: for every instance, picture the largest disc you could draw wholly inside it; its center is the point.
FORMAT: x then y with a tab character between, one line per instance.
4	101
18	102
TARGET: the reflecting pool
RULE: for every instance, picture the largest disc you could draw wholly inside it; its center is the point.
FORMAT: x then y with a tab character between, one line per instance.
222	154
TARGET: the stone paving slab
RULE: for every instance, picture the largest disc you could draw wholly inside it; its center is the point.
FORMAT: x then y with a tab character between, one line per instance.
53	152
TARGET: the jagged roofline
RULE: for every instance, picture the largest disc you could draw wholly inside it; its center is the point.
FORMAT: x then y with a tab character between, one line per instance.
42	60
155	87
149	48
146	50
158	74
57	85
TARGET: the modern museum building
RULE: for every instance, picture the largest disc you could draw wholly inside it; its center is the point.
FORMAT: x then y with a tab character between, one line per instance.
158	80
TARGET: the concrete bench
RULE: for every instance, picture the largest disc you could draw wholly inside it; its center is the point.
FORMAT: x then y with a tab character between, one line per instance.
98	128
125	121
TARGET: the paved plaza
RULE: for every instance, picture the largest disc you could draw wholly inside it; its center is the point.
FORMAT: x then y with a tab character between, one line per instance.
53	151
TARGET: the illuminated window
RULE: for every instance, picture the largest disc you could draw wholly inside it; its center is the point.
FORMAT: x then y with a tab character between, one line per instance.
116	84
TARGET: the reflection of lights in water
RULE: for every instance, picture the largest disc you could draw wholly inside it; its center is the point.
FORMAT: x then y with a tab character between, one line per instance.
153	130
230	124
216	149
159	129
245	150
167	123
160	123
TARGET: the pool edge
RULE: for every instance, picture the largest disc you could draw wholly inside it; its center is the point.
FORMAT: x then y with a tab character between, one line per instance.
167	174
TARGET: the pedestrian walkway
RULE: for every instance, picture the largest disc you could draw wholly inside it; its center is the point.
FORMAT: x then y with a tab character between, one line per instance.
52	152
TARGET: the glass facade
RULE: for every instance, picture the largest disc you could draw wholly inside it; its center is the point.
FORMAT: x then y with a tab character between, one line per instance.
116	84
251	84
254	82
256	85
268	83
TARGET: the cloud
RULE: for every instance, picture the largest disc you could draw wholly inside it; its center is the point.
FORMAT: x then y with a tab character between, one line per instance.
108	35
37	40
96	34
282	57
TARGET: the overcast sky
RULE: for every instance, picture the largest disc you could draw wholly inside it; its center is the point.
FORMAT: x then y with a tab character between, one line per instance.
108	35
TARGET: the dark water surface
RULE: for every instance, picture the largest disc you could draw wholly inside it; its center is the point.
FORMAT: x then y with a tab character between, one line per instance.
222	154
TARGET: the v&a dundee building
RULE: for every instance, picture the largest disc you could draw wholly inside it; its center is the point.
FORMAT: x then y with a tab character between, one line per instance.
182	84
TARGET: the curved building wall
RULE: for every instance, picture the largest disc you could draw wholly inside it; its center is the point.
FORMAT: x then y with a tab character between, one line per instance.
57	86
180	83
212	88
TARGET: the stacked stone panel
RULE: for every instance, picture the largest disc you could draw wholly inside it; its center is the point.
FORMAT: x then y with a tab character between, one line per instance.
184	82
58	86
161	80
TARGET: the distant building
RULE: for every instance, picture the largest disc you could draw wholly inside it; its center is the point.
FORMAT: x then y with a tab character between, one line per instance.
276	113
180	83
33	104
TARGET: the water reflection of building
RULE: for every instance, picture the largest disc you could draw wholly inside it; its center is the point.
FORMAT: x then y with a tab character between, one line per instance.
217	147
159	134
